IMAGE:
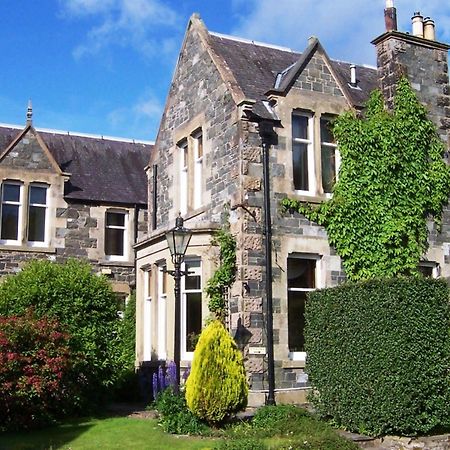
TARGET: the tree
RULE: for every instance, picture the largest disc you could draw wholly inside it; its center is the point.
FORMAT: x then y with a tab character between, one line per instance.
392	180
84	305
217	385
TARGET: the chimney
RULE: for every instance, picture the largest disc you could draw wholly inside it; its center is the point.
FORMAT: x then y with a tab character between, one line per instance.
353	79
417	25
390	16
429	29
29	113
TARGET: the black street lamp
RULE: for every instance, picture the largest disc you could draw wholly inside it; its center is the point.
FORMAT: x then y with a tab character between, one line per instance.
178	240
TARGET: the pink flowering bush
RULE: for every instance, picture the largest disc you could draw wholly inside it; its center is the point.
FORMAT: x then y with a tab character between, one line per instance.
37	384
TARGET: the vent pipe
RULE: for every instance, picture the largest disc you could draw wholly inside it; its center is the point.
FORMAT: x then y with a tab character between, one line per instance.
417	25
429	29
353	80
390	16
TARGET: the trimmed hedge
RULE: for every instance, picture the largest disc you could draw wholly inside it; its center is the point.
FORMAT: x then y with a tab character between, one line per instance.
379	355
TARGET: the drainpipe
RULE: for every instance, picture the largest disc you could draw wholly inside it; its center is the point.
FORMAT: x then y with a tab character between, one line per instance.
267	136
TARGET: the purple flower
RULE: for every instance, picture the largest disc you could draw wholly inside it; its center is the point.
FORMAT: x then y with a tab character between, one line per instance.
161	379
186	373
172	375
155	385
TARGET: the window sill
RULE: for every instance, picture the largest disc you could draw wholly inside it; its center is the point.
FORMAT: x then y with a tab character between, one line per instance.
119	262
311	198
27	248
293	364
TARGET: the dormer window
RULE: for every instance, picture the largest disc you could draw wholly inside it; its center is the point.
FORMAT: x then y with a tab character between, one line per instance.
303	152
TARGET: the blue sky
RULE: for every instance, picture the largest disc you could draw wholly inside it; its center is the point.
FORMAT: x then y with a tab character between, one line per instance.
104	66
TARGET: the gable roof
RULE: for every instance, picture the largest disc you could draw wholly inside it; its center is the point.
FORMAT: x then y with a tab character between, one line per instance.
105	170
256	67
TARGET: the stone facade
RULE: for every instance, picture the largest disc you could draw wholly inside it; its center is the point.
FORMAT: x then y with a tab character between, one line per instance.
73	229
212	92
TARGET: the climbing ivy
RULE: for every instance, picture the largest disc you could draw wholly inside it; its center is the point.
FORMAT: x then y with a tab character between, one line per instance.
392	179
224	275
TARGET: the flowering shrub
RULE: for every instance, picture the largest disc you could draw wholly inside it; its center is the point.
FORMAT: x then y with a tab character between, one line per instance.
84	304
36	379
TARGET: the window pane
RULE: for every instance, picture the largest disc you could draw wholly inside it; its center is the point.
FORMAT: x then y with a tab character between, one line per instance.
193	281
300	127
11	192
193	319
328	168
199	146
426	271
115	219
296	321
36	224
10	221
114	241
325	131
300	165
38	195
301	273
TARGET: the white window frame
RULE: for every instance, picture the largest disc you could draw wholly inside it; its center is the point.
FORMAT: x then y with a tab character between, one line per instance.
148	317
435	268
125	230
183	150
337	155
162	313
198	168
185	355
20	204
310	150
301	356
47	218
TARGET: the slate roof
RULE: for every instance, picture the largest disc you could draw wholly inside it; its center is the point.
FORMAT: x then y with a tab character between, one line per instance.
103	170
256	66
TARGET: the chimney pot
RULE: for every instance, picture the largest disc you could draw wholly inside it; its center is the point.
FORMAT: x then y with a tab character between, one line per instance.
390	16
353	79
429	29
417	24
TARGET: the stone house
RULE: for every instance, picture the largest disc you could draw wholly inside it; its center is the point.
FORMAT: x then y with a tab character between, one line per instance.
207	164
65	195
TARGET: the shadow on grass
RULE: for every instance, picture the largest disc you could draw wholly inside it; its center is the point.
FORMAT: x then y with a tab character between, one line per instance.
46	438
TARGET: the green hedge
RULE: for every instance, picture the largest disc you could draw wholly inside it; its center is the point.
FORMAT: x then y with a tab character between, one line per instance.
379	355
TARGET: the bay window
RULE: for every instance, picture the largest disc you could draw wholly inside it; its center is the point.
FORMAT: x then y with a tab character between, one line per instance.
191	306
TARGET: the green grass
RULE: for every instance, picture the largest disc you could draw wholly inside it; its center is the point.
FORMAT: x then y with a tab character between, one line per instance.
110	433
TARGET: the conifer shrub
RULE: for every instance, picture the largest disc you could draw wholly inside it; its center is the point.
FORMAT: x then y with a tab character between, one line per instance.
379	354
217	385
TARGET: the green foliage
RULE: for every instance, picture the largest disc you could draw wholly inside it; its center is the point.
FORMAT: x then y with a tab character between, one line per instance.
217	385
83	303
278	419
391	180
37	383
224	275
379	353
245	443
175	417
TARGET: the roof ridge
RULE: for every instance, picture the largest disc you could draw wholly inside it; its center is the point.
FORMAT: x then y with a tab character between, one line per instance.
250	41
79	134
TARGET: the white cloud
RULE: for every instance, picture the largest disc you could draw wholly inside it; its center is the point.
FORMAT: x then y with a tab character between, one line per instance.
345	27
125	23
140	118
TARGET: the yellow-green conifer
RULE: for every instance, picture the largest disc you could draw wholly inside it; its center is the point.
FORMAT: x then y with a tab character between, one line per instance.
217	385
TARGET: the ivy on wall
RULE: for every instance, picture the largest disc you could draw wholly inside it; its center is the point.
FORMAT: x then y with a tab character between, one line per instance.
392	179
225	273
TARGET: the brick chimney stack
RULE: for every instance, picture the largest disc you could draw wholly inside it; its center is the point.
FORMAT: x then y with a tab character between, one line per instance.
390	16
423	61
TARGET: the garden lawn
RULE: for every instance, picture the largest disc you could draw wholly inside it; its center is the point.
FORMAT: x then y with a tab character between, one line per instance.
110	433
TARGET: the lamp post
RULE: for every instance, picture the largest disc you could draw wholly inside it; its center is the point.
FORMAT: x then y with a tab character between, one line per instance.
178	240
